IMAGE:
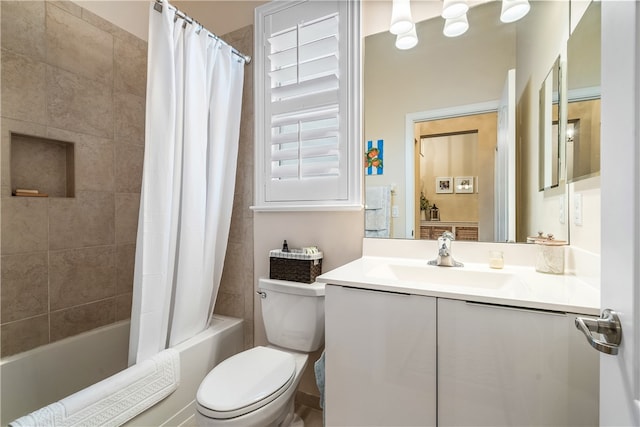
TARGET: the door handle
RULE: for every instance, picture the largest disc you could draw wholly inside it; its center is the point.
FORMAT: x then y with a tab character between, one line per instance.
608	325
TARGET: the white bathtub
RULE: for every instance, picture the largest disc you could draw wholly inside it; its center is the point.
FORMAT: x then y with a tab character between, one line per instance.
38	377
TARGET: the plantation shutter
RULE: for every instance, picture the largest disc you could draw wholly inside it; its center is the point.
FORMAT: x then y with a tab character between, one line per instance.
305	135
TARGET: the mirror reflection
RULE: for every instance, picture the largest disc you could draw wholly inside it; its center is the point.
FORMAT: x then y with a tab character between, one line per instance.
583	94
549	123
459	77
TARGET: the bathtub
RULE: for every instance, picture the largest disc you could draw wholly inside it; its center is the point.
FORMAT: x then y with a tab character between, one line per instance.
38	377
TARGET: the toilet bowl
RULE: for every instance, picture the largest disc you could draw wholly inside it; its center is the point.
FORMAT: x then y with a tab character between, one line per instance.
257	387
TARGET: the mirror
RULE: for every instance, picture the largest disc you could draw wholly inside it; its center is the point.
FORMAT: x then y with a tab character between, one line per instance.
583	95
446	77
549	132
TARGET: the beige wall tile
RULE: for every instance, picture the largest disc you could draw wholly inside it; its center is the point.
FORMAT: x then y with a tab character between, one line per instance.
73	321
125	263
80	276
79	104
22	28
94	159
16	337
248	333
87	220
77	46
127	207
229	304
9	126
123	307
129	160
129	116
65	5
23	88
130	67
237	269
95	169
107	26
24	286
24	225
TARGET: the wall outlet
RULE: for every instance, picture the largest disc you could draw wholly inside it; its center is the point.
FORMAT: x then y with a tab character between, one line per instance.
395	211
577	208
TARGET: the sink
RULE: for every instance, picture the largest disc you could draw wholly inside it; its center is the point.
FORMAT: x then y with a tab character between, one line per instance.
446	276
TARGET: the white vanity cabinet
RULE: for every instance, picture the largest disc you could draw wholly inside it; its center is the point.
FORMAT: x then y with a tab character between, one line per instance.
380	358
395	359
502	366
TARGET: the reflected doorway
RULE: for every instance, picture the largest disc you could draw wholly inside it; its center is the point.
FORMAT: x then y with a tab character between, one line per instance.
454	164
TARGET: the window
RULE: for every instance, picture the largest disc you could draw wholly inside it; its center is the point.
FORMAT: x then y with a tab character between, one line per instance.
308	105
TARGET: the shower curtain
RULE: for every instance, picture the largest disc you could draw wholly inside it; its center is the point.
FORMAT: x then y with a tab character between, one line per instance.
194	93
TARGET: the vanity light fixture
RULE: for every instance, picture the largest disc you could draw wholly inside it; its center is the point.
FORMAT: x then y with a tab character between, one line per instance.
401	20
407	40
454	8
455	27
512	10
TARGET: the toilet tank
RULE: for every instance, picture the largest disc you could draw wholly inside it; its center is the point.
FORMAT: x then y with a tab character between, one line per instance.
293	313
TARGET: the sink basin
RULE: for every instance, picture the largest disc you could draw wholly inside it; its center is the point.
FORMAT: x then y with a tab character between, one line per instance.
442	276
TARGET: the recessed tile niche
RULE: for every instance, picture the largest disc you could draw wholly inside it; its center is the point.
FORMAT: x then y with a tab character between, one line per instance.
42	164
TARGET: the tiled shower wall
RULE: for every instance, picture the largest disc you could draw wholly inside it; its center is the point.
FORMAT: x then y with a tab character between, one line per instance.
67	263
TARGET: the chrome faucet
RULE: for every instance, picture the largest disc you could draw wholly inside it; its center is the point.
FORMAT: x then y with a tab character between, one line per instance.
445	259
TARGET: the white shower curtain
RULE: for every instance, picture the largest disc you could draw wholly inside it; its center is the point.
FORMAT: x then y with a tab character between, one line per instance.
194	94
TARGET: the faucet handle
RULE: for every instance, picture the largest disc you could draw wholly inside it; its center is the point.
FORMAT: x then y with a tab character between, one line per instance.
448	235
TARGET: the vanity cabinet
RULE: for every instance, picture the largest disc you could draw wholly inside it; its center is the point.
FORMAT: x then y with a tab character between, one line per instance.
503	366
380	358
496	365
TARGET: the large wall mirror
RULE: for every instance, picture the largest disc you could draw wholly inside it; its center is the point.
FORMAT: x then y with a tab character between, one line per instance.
583	95
426	163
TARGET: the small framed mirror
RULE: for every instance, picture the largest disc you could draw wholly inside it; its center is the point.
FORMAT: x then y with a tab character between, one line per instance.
583	97
549	129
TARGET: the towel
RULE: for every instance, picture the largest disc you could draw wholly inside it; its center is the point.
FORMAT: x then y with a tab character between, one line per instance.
114	400
377	216
318	368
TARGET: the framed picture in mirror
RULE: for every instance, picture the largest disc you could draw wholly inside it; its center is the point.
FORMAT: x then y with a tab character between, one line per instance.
464	184
444	184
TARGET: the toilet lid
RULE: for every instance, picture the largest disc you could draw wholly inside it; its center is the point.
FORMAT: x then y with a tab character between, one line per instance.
245	382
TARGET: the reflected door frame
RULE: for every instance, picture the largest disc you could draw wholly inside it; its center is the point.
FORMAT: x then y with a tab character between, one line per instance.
412	221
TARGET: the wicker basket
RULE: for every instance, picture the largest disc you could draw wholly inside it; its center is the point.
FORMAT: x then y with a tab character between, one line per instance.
295	265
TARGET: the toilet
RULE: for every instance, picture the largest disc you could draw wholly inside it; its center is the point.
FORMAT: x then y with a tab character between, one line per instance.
257	387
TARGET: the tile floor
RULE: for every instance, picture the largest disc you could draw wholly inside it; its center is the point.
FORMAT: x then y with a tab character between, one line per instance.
312	417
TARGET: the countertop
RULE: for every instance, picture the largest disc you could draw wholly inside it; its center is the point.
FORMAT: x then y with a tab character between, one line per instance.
518	286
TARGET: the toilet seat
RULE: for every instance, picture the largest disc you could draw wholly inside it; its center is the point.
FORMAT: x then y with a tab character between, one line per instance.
245	382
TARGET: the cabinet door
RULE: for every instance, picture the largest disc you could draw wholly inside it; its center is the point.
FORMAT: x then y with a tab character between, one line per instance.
380	358
500	366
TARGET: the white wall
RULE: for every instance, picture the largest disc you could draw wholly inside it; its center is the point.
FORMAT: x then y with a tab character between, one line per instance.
338	234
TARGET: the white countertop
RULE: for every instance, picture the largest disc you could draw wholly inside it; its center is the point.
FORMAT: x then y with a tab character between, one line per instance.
519	286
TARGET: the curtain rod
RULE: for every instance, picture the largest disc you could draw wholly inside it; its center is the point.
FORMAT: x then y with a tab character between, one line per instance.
188	19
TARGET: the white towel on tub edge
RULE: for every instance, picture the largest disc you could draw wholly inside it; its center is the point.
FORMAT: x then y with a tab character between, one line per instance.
114	400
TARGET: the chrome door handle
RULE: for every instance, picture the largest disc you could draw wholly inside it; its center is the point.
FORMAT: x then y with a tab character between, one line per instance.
608	325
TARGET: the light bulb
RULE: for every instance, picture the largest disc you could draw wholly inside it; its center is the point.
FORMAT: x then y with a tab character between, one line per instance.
401	20
454	8
512	10
407	40
456	26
